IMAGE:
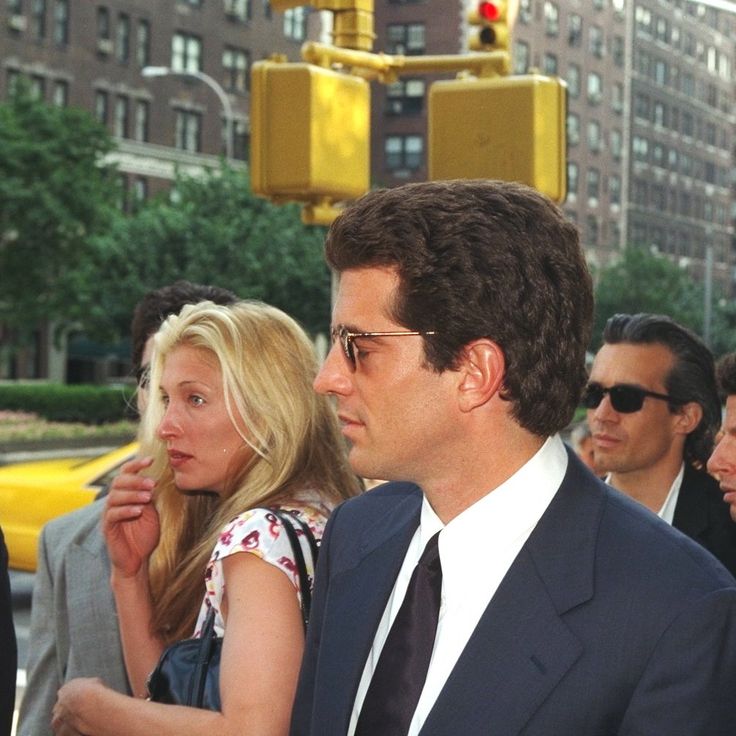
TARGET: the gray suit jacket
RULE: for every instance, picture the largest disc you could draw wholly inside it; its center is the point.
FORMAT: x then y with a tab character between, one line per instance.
74	628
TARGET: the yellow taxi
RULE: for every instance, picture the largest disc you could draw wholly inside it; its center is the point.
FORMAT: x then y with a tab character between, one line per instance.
35	492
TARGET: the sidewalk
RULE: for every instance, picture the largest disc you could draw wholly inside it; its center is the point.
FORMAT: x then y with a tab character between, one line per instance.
31	450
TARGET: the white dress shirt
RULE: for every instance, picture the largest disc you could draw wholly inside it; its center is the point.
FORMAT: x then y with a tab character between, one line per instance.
477	549
667	512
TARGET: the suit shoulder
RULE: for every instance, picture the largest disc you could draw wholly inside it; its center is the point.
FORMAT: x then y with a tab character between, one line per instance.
652	544
69	526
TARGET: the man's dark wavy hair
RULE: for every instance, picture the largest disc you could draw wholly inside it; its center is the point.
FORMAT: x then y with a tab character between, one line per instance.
692	377
726	375
155	306
482	259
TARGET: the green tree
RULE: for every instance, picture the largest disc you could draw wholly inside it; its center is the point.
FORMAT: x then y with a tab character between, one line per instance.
642	281
212	229
56	193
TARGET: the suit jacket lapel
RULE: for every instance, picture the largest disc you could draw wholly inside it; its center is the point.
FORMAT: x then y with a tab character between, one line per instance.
691	510
359	590
522	647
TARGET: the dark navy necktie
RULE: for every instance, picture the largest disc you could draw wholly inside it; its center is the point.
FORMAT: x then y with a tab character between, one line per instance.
399	676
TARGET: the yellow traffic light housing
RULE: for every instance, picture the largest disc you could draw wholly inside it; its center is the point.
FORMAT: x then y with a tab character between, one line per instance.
310	133
509	128
490	22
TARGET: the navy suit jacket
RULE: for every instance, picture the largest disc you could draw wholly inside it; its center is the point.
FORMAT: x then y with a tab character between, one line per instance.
609	621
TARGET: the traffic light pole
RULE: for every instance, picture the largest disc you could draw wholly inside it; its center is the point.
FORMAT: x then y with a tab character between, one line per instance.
388	67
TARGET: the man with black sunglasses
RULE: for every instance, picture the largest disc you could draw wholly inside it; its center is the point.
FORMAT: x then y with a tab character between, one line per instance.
495	585
653	410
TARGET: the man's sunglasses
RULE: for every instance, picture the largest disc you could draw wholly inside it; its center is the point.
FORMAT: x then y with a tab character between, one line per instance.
624	398
347	338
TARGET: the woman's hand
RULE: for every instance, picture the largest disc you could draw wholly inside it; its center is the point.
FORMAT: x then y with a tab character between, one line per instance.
130	523
67	718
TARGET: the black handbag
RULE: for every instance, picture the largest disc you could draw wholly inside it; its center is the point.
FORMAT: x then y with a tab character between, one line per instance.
188	672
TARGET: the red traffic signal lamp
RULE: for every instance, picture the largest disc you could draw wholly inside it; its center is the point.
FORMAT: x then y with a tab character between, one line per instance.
490	21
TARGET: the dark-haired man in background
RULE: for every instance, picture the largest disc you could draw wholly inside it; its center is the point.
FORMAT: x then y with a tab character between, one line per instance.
654	410
545	603
74	629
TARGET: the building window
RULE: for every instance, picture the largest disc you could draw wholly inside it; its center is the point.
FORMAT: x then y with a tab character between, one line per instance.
596	43
572	178
142	110
120	120
143	44
595	88
235	69
61	22
101	106
122	45
591	230
295	23
595	140
61	93
403	152
139	191
525	11
618	51
616	140
659	114
575	30
12	78
551	19
186	53
573	129
405	97
241	146
614	189
103	23
573	80
640	148
188	135
550	64
238	9
617	97
38	18
267	9
521	57
38	87
406	39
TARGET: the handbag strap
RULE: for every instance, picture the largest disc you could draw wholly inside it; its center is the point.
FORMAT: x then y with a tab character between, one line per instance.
287	521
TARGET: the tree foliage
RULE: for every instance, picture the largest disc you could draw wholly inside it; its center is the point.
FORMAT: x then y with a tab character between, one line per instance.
642	281
212	229
56	194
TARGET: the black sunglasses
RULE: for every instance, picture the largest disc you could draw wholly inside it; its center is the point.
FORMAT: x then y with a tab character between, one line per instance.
624	398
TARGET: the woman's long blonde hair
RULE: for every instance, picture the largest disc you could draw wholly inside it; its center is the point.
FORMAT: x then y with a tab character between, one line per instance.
268	365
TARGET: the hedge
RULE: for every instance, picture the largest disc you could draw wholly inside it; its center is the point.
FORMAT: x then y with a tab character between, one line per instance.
75	403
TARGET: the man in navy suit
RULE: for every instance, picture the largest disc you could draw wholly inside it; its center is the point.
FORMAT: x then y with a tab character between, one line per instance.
654	410
460	327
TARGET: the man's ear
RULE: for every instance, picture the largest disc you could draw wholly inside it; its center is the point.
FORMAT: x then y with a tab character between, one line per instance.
482	368
688	417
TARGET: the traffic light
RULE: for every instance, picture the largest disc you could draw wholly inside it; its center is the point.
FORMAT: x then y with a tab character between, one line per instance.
490	23
310	133
510	128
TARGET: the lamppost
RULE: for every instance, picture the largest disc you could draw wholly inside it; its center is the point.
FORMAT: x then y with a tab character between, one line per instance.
163	71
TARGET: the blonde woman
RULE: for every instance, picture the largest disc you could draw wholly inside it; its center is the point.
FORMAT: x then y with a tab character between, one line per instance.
232	426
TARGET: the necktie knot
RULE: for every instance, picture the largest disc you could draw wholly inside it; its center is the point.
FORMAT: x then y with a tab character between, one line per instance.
431	556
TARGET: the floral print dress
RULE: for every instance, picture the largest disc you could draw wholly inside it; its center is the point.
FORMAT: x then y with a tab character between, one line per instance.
259	532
